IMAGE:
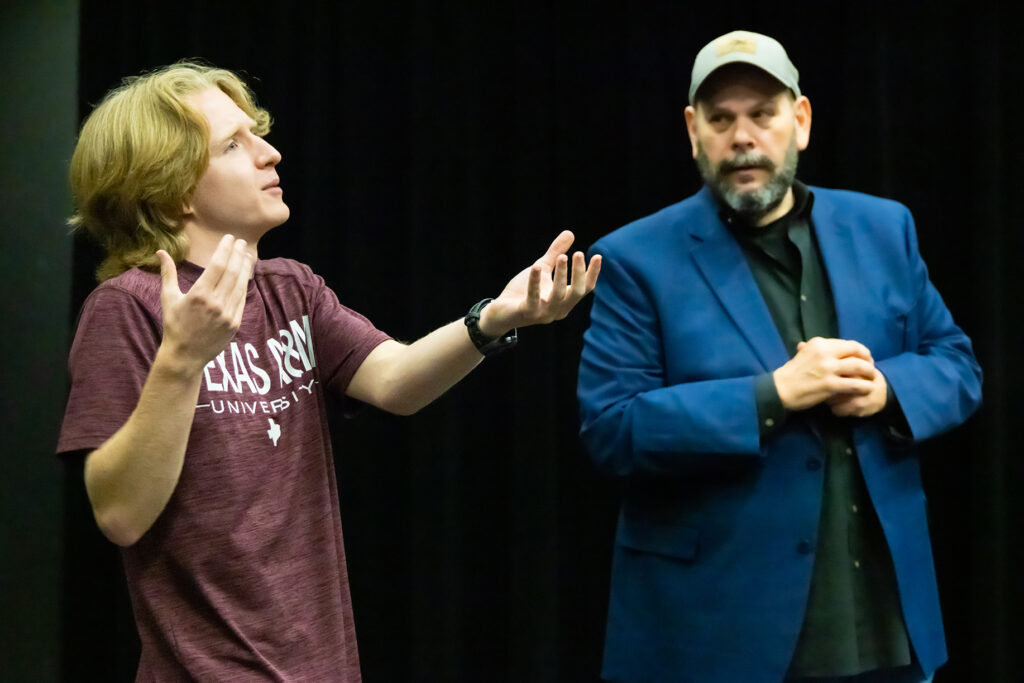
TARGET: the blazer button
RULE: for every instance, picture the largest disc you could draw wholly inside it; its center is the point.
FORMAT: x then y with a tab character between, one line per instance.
803	547
813	464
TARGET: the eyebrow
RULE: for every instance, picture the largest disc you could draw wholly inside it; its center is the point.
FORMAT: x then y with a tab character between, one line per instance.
224	138
234	131
715	108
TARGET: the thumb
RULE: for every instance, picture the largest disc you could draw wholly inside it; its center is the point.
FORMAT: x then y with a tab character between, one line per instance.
168	276
557	248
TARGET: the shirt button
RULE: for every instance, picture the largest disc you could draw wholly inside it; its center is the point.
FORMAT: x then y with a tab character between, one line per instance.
813	464
769	422
856	564
849	451
854	508
803	547
803	297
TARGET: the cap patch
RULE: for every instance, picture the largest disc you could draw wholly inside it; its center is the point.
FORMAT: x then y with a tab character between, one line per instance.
737	44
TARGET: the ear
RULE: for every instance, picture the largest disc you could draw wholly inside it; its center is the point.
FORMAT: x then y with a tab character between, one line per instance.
802	116
691	128
186	207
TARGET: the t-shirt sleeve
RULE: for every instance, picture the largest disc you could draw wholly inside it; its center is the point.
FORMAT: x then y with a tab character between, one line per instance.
114	346
343	337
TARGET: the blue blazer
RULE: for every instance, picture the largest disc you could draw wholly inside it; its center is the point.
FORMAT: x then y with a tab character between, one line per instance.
714	547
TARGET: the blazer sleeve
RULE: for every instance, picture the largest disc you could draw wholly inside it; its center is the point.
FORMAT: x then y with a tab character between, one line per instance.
632	422
936	379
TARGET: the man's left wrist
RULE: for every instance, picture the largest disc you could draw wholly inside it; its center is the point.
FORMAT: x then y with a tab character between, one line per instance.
488	324
480	327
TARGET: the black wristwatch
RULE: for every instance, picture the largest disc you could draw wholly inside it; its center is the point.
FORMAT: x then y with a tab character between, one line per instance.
488	346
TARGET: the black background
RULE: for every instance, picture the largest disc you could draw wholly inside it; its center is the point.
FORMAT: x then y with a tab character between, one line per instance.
431	150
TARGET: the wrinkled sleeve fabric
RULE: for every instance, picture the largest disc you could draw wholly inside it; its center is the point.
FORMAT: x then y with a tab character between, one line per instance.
632	422
115	343
771	414
345	338
936	380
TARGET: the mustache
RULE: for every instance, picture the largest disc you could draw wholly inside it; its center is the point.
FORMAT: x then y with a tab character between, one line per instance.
750	160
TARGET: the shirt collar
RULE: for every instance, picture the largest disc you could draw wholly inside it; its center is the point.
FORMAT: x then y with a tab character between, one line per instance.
803	201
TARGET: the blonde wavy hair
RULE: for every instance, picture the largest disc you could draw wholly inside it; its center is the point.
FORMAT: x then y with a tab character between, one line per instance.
138	159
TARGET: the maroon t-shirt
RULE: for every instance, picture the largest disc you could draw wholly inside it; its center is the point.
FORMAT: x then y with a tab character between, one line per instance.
242	577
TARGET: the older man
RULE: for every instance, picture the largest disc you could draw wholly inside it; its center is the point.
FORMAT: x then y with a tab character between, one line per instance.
761	360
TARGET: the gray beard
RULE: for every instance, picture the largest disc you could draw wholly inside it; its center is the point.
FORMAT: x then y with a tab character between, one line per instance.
752	205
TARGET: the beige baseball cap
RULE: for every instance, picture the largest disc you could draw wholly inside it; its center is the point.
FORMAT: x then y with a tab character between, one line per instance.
755	49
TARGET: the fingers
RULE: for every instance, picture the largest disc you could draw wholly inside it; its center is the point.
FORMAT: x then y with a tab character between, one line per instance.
847	407
225	279
168	274
837	348
236	303
218	262
584	279
533	288
565	294
559	282
556	283
853	366
593	270
846	348
236	270
826	370
566	291
842	388
231	289
577	284
222	287
860	405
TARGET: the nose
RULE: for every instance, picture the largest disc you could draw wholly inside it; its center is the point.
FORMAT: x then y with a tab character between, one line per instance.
743	137
267	154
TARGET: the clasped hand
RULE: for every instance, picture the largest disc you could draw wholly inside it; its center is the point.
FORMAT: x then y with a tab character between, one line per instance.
838	372
536	296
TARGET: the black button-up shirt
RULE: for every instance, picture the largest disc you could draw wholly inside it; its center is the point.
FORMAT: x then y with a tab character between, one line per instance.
853	621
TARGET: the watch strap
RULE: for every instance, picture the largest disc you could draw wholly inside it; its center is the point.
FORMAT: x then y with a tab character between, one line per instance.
486	345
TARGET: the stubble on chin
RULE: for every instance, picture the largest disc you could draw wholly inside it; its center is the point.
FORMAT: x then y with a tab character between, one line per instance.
751	205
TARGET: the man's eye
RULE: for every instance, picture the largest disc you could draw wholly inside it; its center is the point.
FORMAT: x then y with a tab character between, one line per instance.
232	145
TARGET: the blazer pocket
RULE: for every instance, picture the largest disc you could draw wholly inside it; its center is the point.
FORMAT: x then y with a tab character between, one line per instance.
900	332
676	541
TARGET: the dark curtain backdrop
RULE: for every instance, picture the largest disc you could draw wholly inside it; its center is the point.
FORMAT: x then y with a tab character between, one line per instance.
432	149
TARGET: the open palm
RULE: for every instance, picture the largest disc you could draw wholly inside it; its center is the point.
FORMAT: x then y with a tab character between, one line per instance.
544	292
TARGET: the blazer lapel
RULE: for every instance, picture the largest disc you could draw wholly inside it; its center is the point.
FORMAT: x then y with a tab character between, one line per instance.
723	265
845	272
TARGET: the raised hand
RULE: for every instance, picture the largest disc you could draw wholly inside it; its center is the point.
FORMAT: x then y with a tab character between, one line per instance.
198	325
544	292
834	370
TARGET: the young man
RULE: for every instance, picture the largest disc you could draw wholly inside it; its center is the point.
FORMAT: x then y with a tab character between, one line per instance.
761	358
197	391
